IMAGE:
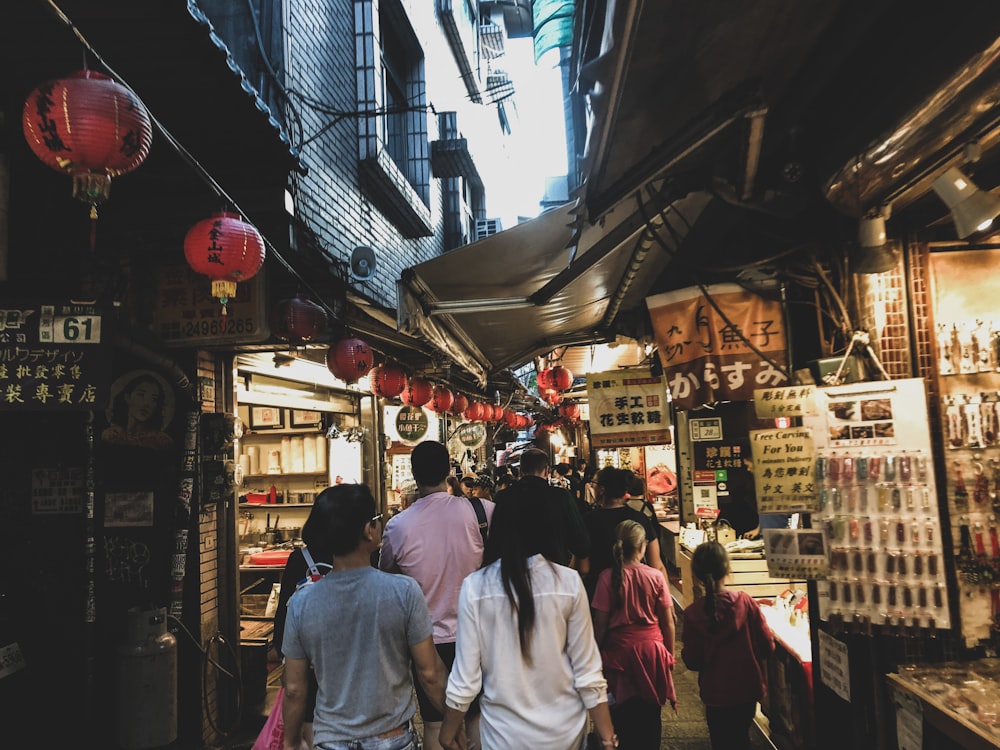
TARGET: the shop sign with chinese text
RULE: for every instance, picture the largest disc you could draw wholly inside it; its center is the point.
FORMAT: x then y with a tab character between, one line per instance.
471	434
187	313
784	461
719	347
54	357
627	407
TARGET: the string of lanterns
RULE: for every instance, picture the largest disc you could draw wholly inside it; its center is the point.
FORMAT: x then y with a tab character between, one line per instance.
93	129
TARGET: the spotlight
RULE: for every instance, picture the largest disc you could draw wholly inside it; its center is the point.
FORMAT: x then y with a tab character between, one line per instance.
973	210
874	253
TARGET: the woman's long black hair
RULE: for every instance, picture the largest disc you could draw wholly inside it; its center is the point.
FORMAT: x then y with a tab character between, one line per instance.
518	531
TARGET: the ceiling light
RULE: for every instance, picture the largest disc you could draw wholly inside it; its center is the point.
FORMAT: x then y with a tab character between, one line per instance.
874	253
973	210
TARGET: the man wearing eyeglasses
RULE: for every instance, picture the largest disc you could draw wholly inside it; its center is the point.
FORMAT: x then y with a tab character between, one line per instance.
437	541
336	623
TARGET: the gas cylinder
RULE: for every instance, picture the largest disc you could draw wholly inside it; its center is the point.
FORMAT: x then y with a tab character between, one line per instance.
147	682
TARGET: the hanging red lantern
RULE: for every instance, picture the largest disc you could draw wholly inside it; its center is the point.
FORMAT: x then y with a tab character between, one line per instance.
552	396
459	404
417	392
227	250
349	359
297	320
544	379
496	413
441	399
89	127
474	411
560	378
570	410
387	380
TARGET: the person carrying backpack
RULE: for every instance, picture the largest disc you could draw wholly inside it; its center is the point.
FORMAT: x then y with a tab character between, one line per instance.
304	566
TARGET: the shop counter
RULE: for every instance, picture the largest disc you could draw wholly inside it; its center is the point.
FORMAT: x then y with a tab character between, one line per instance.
788	704
959	700
748	573
670	542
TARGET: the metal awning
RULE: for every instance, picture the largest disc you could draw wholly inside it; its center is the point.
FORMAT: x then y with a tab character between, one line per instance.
549	282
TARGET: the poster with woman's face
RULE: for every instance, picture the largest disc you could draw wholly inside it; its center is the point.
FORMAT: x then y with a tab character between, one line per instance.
140	411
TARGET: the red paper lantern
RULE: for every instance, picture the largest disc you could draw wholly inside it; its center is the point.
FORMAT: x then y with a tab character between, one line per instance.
297	320
544	379
496	413
511	418
551	396
560	378
570	410
387	381
89	127
227	250
441	399
474	411
459	404
417	392
349	359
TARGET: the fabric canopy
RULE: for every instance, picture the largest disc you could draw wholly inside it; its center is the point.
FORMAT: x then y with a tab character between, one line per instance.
546	283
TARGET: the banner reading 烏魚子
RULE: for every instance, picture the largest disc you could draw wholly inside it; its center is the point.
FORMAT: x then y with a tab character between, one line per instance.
702	343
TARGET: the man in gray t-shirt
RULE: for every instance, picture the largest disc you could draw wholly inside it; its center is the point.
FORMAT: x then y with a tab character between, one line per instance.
360	629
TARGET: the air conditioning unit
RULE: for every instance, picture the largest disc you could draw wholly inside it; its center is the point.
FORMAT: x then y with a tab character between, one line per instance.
487	227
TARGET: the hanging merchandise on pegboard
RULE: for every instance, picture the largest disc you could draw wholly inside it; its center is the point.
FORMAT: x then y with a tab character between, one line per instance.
877	508
969	384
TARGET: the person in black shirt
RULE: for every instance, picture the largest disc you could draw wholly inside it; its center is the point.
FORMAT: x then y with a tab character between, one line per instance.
556	505
602	522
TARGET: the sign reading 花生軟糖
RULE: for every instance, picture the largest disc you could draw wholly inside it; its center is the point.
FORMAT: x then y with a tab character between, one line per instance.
627	408
53	357
718	343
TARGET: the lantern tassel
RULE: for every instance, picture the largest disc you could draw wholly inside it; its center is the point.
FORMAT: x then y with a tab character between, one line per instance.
93	227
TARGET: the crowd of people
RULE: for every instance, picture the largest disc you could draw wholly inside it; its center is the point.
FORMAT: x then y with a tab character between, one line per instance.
509	611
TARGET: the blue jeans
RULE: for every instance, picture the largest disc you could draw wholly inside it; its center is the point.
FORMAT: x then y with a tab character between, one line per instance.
408	740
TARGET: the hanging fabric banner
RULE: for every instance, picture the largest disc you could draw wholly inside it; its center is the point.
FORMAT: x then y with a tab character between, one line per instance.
703	345
627	408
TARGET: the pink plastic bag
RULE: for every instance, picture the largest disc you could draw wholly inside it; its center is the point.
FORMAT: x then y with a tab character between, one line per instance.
272	735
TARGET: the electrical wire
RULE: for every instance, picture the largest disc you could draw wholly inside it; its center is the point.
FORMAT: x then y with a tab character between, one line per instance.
704	290
207	660
199	169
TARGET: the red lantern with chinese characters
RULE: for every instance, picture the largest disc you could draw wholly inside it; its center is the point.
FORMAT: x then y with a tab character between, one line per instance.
227	250
417	392
496	413
349	359
89	127
560	378
441	399
511	418
459	404
474	412
297	320
570	410
387	381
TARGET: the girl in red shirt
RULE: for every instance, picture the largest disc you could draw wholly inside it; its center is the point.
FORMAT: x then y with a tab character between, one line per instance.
726	641
634	627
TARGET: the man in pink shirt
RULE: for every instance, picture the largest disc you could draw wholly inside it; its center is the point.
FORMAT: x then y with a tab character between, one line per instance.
438	542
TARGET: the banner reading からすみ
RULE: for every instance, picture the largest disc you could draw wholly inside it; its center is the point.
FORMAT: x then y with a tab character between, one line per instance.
719	347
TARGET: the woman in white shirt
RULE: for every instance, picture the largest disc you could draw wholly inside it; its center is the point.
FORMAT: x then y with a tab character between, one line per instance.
525	639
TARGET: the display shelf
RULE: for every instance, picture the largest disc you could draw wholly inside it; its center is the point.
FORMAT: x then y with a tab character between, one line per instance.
959	699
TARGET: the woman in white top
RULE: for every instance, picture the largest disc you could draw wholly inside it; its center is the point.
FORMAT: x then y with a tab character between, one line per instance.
525	639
